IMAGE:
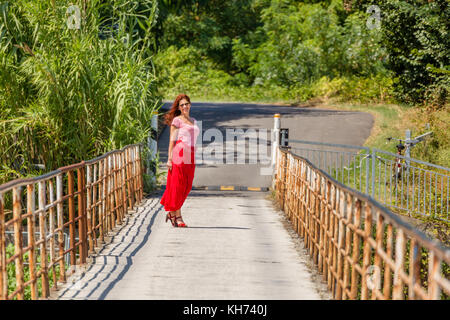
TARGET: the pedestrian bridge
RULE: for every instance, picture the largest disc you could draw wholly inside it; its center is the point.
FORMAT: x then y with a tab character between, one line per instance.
87	231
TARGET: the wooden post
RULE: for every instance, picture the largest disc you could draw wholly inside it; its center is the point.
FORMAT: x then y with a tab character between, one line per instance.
397	292
341	234
111	186
414	267
73	260
60	214
95	207
140	171
355	253
129	184
3	272
333	245
31	209
348	239
123	182
330	237
387	270
377	262
52	231
322	225
43	232
101	195
82	239
18	243
316	218
89	209
117	194
434	269
367	251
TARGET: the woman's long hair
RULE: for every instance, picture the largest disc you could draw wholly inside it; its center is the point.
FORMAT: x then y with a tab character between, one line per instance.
174	111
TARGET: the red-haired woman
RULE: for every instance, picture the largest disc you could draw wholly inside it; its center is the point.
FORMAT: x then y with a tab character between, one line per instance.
181	158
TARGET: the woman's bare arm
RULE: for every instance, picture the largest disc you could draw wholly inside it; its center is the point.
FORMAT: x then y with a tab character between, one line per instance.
172	140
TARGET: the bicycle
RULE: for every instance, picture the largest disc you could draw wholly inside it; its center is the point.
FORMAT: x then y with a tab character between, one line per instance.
399	167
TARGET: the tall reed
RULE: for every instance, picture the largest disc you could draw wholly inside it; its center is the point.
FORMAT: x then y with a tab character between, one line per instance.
72	94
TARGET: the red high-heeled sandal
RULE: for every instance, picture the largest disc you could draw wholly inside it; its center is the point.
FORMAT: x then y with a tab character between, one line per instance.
169	216
180	224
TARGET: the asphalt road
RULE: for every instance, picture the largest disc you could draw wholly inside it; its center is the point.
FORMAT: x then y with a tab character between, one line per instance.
230	165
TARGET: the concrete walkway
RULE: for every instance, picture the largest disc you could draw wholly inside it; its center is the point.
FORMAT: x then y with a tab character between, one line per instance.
237	246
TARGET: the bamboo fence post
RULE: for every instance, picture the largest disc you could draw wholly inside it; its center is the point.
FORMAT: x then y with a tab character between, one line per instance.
397	292
112	211
73	260
18	242
355	253
348	239
95	205
43	239
316	218
322	225
82	239
309	208
366	251
102	196
130	178
340	246
141	170
118	190
31	211
434	268
89	209
304	198
333	244
287	206
60	215
52	231
326	241
377	259
3	273
414	267
134	173
387	270
123	182
296	195
109	206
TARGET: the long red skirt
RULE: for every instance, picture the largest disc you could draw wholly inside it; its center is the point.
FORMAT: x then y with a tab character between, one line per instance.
179	179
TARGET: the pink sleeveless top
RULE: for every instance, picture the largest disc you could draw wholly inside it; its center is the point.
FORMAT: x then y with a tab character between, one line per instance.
186	133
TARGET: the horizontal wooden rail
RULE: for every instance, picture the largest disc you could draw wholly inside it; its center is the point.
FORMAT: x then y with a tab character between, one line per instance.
85	200
363	250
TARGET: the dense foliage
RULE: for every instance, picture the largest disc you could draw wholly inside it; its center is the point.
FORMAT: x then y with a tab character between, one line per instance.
416	37
68	95
302	49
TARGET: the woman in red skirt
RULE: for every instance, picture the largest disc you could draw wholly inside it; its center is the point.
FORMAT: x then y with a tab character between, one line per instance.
181	159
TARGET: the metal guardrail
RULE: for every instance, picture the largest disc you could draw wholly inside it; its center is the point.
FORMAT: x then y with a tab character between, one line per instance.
399	182
91	198
363	250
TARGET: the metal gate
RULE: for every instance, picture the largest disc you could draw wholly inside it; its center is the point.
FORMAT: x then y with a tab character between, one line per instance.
399	182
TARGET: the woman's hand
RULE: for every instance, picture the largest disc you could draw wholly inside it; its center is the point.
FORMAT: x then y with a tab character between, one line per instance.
169	164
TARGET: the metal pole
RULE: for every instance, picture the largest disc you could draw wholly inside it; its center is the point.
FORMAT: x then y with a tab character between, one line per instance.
276	136
152	146
373	172
275	144
408	147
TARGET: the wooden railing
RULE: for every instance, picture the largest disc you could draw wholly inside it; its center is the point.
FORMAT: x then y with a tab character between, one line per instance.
91	198
363	250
